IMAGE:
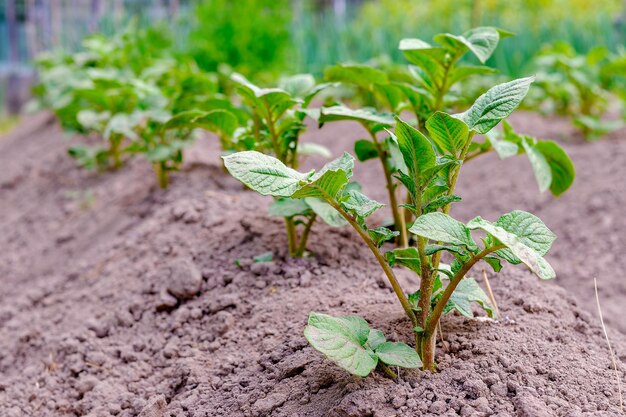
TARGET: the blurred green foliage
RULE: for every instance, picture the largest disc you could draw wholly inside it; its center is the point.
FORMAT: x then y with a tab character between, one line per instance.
251	36
376	27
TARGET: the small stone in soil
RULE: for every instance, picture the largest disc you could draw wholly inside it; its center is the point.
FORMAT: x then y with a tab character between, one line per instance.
185	279
166	301
305	279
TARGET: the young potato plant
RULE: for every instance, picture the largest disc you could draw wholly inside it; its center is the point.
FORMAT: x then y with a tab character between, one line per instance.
275	126
422	91
429	174
136	97
436	72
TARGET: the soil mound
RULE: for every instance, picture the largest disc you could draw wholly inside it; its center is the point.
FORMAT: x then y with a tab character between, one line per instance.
120	299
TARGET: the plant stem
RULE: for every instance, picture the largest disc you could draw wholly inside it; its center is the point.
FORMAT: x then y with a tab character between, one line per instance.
441	91
161	172
476	154
391	189
391	374
395	285
305	236
452	186
291	235
289	224
114	150
429	334
273	136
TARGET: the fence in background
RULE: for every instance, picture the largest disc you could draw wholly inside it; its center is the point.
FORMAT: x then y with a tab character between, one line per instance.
29	27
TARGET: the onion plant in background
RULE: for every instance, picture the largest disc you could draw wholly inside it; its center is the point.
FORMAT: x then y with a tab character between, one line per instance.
431	166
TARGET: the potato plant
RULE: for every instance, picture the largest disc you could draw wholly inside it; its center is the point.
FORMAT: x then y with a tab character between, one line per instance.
431	166
577	86
276	123
426	89
136	98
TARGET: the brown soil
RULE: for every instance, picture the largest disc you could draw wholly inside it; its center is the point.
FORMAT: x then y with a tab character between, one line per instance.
121	299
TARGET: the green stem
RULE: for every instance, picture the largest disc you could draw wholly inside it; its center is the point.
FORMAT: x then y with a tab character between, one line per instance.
273	136
395	285
305	236
291	235
477	154
115	153
387	370
426	279
391	189
160	169
452	186
441	91
427	345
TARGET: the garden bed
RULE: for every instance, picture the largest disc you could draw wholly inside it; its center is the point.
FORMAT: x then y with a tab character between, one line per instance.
119	297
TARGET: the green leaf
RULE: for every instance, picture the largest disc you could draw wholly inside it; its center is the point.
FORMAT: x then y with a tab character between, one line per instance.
218	121
449	133
360	204
494	262
456	250
594	127
504	148
122	124
481	41
275	100
516	231
496	104
326	212
440	227
342	340
297	85
461	72
365	149
328	181
375	339
264	174
365	115
561	166
539	164
90	119
361	75
263	257
398	354
288	207
381	234
417	151
407	257
430	59
439	202
396	159
529	229
159	153
466	292
307	148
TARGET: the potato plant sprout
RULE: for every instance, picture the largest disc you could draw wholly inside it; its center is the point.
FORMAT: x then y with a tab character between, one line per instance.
431	166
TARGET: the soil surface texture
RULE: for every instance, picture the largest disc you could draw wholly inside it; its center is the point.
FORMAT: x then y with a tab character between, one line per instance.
120	299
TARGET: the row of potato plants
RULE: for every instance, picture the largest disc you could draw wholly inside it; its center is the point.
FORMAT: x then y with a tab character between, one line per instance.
585	87
414	130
